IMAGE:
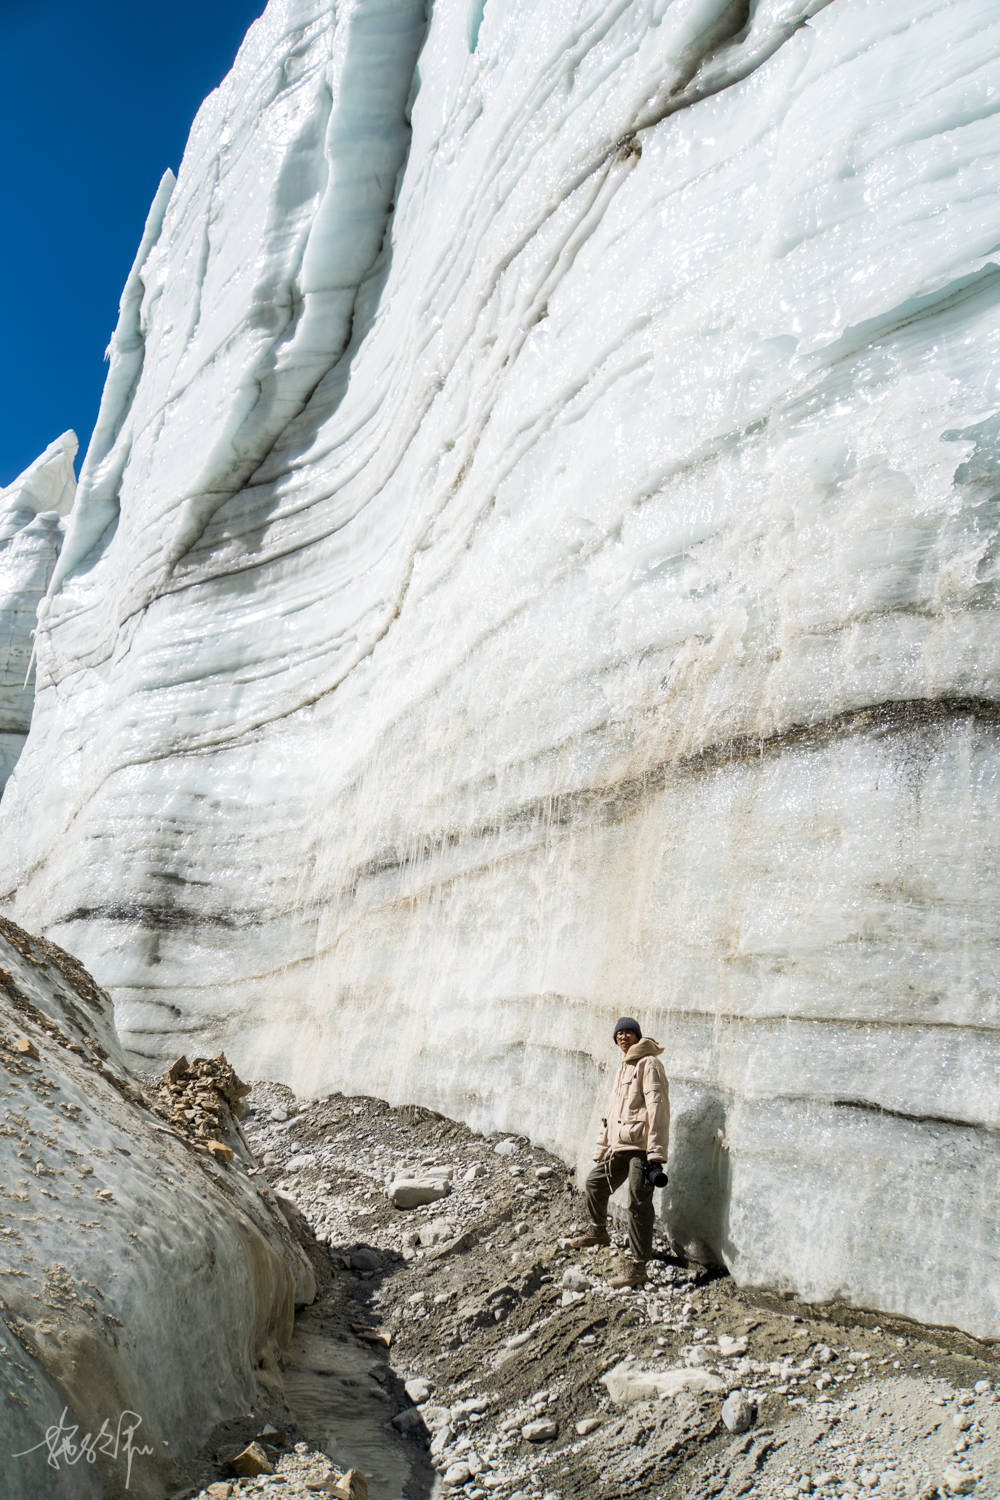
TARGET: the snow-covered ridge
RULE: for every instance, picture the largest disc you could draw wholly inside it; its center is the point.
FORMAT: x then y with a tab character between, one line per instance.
540	561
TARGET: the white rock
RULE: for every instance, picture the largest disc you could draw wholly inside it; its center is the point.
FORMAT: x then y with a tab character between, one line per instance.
437	1232
576	1279
737	1412
297	1163
626	1383
730	1346
958	1480
435	1417
588	1424
539	1431
457	1474
699	1356
418	1390
414	1192
507	1147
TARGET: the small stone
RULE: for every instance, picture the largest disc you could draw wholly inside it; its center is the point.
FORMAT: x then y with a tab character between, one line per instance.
418	1390
698	1357
219	1491
626	1384
220	1151
408	1419
981	1387
457	1474
364	1260
737	1412
437	1232
731	1346
297	1163
544	1173
104	1195
540	1431
279	1116
413	1192
351	1486
441	1440
958	1480
961	1421
576	1279
506	1147
26	1047
251	1462
589	1424
435	1417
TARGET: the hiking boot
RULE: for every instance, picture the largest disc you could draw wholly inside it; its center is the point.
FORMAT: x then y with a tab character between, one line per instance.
595	1235
633	1276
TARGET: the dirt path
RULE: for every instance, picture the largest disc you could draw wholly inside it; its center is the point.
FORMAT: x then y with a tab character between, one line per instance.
458	1349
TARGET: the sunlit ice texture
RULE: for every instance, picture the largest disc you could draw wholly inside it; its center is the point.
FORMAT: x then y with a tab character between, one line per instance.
31	532
538	560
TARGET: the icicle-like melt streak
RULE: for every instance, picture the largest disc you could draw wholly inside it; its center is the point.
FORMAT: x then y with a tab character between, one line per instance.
552	459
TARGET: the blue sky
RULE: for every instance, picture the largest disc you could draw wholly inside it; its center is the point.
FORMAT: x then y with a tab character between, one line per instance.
96	101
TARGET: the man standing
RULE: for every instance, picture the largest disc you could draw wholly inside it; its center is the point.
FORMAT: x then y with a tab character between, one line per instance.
633	1137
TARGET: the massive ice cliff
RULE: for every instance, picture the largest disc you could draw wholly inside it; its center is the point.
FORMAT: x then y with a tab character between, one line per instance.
538	559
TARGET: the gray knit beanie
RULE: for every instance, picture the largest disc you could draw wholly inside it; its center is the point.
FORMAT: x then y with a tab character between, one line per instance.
627	1023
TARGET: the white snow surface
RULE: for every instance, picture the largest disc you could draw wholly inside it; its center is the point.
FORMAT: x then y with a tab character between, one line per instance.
538	561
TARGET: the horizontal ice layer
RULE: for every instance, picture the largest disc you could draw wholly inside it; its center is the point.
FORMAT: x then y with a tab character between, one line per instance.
591	608
31	532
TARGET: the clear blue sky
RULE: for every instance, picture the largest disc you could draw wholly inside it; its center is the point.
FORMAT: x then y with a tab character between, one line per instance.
96	100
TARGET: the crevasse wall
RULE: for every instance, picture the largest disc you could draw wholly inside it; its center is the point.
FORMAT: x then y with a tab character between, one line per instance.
538	560
31	533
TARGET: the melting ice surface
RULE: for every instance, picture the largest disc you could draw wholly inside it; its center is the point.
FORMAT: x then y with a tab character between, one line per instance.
31	532
538	560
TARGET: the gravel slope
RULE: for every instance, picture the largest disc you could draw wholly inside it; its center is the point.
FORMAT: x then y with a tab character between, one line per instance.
459	1347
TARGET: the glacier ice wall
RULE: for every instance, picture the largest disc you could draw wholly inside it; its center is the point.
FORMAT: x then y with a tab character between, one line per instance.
31	533
538	560
146	1286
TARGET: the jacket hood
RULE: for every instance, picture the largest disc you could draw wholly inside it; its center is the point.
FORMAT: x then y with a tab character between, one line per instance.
646	1048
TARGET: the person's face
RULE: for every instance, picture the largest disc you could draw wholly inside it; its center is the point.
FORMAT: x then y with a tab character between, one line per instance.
625	1039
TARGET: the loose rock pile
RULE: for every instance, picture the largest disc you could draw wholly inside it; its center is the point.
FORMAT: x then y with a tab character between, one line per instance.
505	1363
202	1100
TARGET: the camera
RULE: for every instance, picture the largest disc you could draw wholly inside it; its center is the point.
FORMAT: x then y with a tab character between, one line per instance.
654	1174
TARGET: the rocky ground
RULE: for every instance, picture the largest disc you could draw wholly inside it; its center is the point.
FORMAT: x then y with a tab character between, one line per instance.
462	1348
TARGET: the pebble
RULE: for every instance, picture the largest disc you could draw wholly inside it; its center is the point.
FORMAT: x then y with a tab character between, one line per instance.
589	1424
457	1474
413	1192
737	1412
365	1260
958	1480
506	1147
418	1390
540	1431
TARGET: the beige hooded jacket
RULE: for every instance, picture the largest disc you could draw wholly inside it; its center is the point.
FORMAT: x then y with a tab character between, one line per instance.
639	1105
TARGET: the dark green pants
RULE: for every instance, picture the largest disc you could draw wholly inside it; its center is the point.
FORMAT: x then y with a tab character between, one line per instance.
606	1177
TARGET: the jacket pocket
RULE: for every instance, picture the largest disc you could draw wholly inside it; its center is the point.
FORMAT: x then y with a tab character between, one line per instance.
632	1131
